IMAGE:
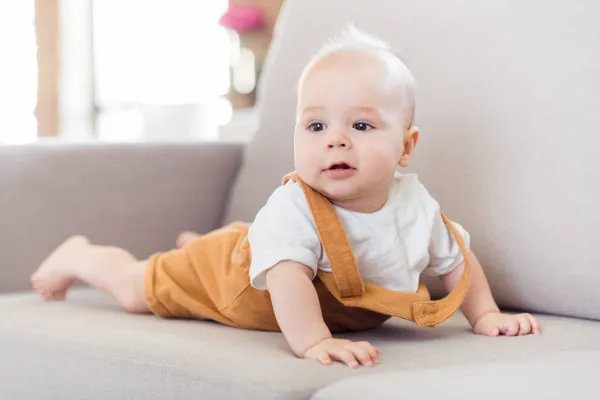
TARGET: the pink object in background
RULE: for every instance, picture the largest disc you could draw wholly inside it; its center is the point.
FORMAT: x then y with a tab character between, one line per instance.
242	19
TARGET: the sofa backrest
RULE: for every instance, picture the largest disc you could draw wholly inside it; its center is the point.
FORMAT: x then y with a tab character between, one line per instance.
509	108
136	196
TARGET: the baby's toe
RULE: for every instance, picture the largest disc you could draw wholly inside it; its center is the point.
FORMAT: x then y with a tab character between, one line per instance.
59	295
186	238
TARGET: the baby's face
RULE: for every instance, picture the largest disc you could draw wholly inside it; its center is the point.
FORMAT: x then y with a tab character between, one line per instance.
350	129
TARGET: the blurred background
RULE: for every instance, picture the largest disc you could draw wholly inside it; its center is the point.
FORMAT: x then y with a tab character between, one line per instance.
130	70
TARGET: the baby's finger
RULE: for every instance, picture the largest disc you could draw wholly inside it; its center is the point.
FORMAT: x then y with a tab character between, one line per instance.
324	358
344	356
491	331
511	327
361	354
368	346
372	350
535	325
486	327
524	324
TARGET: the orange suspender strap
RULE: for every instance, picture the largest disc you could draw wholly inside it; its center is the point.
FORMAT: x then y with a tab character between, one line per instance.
344	267
431	313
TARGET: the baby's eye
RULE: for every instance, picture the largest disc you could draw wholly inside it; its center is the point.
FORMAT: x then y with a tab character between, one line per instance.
362	126
316	127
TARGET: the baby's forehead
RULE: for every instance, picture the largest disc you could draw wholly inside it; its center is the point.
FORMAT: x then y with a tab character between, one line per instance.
376	63
344	79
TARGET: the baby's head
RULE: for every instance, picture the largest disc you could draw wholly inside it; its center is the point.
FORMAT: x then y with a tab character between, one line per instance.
354	122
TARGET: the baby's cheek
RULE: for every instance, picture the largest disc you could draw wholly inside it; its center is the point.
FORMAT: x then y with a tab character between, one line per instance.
382	159
306	162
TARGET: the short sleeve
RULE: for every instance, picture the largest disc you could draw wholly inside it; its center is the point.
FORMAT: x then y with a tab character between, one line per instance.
283	230
444	252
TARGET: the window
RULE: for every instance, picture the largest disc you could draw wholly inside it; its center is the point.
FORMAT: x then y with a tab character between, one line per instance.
18	72
161	68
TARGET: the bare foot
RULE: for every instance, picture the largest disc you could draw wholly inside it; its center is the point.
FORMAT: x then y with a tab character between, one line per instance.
54	277
186	238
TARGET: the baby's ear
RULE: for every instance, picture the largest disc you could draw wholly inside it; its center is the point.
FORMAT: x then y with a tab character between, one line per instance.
411	138
410	142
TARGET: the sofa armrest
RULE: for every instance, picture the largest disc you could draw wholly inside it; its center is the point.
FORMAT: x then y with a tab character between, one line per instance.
137	196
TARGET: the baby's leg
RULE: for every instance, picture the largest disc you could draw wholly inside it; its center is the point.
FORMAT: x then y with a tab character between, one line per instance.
110	269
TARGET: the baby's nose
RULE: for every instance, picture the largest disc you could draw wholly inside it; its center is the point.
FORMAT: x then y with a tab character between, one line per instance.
339	140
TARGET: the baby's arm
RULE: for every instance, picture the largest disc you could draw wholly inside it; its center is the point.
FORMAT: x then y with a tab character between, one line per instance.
298	312
296	305
481	310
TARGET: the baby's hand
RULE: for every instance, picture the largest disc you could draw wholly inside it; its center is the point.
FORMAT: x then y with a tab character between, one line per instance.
495	323
350	353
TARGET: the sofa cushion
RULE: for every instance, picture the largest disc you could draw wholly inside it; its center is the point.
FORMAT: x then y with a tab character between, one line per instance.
87	347
565	375
507	102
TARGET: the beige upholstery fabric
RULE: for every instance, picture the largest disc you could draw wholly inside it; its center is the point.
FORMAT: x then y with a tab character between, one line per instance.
87	348
508	101
565	375
136	196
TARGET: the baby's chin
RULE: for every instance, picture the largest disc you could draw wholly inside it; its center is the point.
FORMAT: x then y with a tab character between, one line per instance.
339	191
336	190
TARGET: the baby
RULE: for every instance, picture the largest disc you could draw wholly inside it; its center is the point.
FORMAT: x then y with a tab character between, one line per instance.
341	245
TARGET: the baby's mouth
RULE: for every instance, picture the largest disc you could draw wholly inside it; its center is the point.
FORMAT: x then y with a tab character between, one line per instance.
339	165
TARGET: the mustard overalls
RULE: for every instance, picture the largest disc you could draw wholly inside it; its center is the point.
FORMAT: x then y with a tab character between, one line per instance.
209	279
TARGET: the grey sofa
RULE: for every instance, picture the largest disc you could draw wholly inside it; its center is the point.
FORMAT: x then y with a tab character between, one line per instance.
509	108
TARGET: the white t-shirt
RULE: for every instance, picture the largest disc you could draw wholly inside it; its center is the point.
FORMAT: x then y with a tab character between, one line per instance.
393	246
